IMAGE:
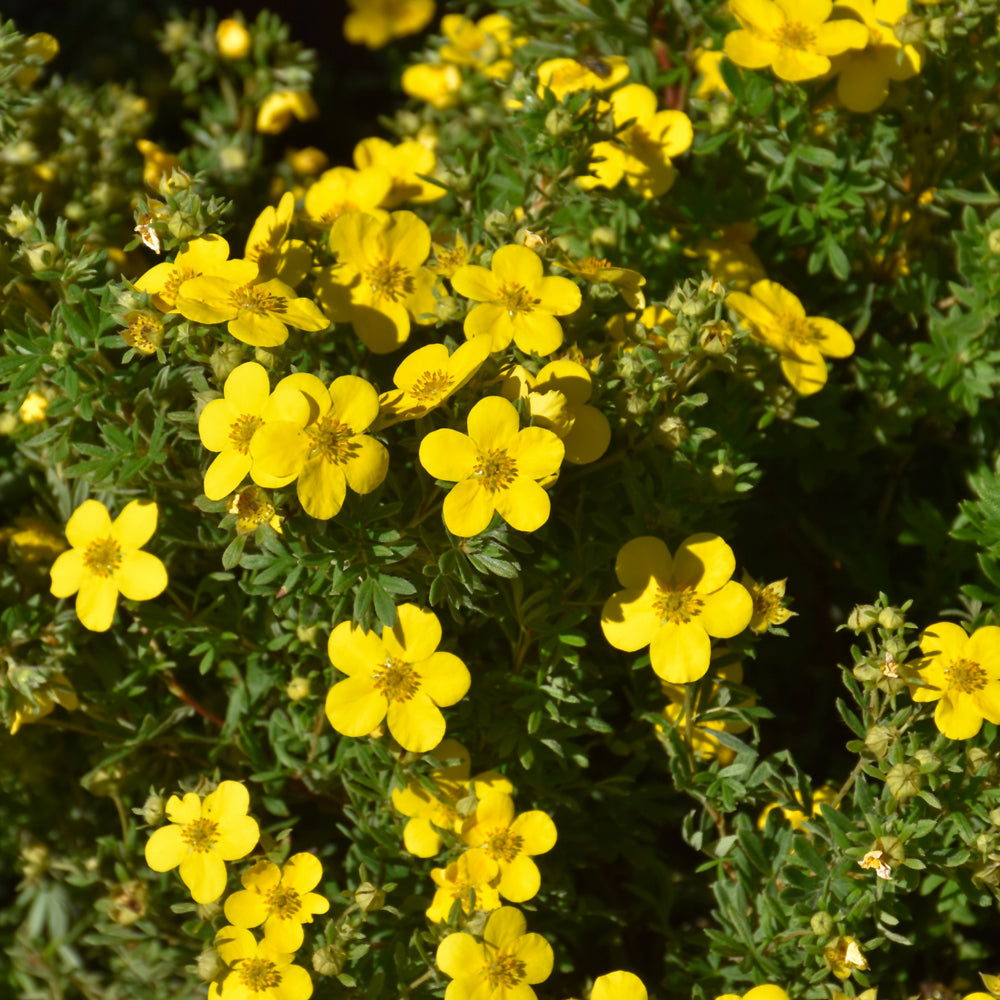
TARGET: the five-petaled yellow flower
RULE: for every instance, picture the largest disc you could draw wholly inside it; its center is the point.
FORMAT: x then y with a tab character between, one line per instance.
279	898
794	37
961	672
202	836
676	604
257	970
326	450
518	303
470	881
503	966
105	560
201	256
496	468
641	152
375	23
778	319
399	676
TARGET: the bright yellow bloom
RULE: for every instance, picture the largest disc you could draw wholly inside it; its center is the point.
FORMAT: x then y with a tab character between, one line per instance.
767	607
105	559
844	956
327	450
765	992
268	247
427	377
484	45
232	39
641	152
517	301
253	508
407	164
864	74
379	283
279	898
794	37
375	23
706	65
676	604
399	676
598	271
307	162
143	332
451	257
157	164
619	986
825	795
204	834
278	109
228	425
961	672
569	76
257	970
55	689
341	190
436	83
504	966
778	319
557	399
32	410
470	881
430	813
255	312
496	469
201	256
40	46
511	841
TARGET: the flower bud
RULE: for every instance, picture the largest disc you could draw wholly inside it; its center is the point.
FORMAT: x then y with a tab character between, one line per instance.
207	912
604	236
821	924
152	810
715	338
41	256
446	307
993	242
903	781
679	340
35	860
862	618
369	897
183	225
937	28
891	619
128	902
558	121
670	431
307	162
496	223
328	960
224	359
927	762
209	965
878	739
232	39
720	114
978	760
298	688
266	356
909	29
995	817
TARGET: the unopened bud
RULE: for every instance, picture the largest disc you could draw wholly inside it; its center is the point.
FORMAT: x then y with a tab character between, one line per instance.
937	28
927	761
298	688
152	810
715	338
993	242
266	356
41	256
678	340
671	431
821	924
878	739
328	960
224	359
209	965
369	897
183	225
603	236
903	781
128	902
558	121
207	912
862	618
979	761
496	223
891	619
909	29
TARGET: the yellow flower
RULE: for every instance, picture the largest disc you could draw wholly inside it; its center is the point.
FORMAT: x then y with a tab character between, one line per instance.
105	559
641	152
557	399
427	377
228	426
511	841
144	332
327	450
279	108
202	836
676	604
399	676
961	672
598	271
307	162
253	508
706	65
451	257
504	966
255	312
767	607
32	410
375	23
778	319
257	970
232	38
765	992
825	795
517	302
55	689
618	986
157	164
201	256
341	190
407	164
436	83
496	469
569	76
470	881
484	45
268	246
730	258
379	283
279	898
40	46
794	37
844	956
427	813
864	74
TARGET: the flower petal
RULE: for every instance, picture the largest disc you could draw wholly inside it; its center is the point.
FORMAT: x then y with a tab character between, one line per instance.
468	509
727	611
88	522
445	678
321	488
354	402
166	848
524	505
136	524
641	560
417	725
141	577
204	873
680	652
67	573
493	424
448	454
354	651
354	707
95	602
415	636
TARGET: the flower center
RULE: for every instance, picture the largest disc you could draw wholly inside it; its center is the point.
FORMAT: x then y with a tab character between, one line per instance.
332	440
255	299
591	267
516	299
798	330
242	429
389	280
765	600
283	902
795	35
142	333
450	259
336	210
496	469
258	974
505	971
103	556
396	680
431	386
677	606
965	675
502	846
252	509
174	282
200	834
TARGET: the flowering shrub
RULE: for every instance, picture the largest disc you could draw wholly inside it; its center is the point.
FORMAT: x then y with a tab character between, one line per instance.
350	489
